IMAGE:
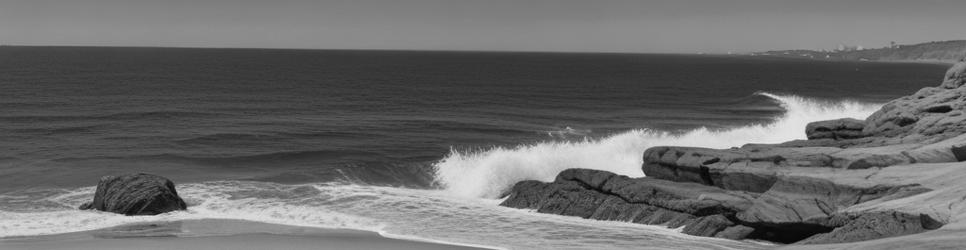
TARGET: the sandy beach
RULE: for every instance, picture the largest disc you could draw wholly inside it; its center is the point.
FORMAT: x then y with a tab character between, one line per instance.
218	234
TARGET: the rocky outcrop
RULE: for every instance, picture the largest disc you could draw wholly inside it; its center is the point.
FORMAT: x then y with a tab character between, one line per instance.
956	75
845	128
601	195
136	194
793	209
852	180
932	112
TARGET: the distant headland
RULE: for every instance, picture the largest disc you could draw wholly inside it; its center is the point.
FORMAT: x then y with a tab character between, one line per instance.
942	52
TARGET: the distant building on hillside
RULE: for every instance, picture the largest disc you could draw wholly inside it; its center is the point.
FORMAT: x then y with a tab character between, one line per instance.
843	48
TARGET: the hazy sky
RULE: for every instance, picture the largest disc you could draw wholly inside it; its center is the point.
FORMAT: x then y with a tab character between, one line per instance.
530	25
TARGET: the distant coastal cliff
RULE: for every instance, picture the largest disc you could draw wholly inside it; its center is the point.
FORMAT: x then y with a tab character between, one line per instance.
893	180
944	51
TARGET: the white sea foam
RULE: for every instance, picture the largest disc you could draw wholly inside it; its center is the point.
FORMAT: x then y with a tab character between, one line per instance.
488	173
287	205
411	214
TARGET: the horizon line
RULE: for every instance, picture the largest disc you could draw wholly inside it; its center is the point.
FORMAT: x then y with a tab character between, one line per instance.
729	53
370	49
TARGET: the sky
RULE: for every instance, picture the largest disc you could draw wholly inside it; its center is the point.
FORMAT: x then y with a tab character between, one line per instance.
640	26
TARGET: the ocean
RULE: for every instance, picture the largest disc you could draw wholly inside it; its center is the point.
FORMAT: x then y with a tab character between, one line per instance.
411	144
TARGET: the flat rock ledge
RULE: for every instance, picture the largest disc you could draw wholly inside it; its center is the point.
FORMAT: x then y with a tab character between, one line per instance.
897	173
135	194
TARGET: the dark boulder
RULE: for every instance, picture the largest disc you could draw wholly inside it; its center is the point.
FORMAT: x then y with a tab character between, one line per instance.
136	194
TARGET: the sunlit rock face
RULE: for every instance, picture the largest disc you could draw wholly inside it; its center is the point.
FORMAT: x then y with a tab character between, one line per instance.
895	173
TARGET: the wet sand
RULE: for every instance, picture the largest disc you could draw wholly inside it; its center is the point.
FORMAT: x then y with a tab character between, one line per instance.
218	234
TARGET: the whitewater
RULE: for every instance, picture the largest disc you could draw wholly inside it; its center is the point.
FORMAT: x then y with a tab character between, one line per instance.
465	207
490	172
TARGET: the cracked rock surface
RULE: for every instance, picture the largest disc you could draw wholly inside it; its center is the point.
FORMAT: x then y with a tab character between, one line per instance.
853	184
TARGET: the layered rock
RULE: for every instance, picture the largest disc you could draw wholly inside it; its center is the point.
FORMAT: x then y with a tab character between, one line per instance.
136	194
845	128
853	180
595	194
794	209
932	112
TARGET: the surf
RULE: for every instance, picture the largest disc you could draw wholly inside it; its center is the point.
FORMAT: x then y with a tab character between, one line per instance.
428	215
488	173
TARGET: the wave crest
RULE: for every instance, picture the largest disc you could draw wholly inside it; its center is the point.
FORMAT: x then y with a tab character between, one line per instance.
488	173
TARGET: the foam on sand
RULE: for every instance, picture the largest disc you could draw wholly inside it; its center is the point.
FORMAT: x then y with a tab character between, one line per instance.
433	216
220	234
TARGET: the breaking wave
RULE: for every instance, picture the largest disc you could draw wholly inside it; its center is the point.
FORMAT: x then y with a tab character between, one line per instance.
490	172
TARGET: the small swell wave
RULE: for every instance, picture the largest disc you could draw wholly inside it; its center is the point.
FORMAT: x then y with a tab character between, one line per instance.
272	157
133	115
490	172
221	137
216	139
58	130
334	165
253	159
567	132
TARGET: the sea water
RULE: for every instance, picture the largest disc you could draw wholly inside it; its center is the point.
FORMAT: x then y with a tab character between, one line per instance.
411	144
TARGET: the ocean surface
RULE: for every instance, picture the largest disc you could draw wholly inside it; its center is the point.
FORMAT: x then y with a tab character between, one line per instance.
416	145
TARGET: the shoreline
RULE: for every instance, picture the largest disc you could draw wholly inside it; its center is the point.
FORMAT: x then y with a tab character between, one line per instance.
891	180
225	234
933	62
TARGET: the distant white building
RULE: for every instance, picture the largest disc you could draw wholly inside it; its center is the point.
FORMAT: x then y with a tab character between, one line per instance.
843	47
